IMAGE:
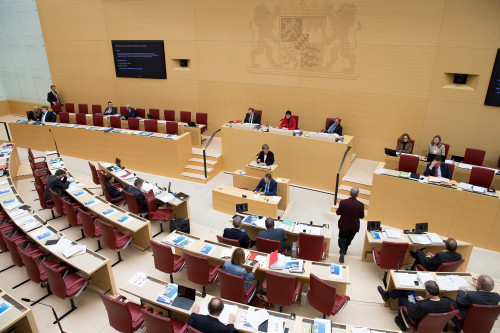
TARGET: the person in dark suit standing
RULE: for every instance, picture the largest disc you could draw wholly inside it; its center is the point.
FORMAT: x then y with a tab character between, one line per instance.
437	168
334	127
110	109
274	234
251	117
139	195
132	113
210	323
52	96
113	191
238	233
48	116
266	157
268	185
351	211
431	262
57	183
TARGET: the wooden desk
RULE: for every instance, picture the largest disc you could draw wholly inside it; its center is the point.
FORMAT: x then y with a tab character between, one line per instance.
259	171
305	161
471	217
226	197
18	318
251	182
465	249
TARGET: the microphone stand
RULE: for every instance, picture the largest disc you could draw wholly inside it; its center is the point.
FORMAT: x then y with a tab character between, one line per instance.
53	312
55	143
279	121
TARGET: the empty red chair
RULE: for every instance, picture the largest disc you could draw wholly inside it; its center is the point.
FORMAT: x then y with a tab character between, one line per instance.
95	176
69	107
408	163
268	245
452	168
56	106
141	112
57	203
444	267
169	115
432	322
201	118
96	108
391	256
165	260
115	122
296	121
73	218
185	116
155	213
90	227
13	241
97	120
480	318
281	289
64	117
481	177
155	113
34	164
199	271
151	125
113	239
155	323
123	317
474	156
232	287
228	241
81	118
133	124
133	205
69	286
83	108
323	297
123	111
446	149
172	127
259	112
311	247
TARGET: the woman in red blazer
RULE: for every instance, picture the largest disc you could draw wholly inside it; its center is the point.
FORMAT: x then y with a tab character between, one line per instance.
288	122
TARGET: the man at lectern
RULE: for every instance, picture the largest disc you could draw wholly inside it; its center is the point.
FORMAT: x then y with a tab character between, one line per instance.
266	157
251	117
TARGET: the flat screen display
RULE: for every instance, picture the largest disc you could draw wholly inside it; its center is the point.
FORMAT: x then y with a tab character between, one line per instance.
493	94
139	58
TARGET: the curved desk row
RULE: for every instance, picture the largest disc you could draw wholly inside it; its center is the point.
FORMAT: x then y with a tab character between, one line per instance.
15	316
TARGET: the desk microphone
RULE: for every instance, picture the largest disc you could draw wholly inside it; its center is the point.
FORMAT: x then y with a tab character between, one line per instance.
50	306
279	121
55	143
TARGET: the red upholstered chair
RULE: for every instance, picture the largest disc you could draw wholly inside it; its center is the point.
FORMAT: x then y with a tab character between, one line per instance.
35	271
113	239
44	204
172	127
327	121
58	204
480	318
452	168
169	115
56	107
474	156
41	182
445	267
193	330
123	111
13	241
115	201
232	287
446	150
81	118
69	107
95	176
141	112
408	163
156	323
281	289
323	297
432	322
7	228
115	122
267	245
69	286
133	124
83	108
259	112
185	116
73	218
90	227
481	177
202	118
155	113
311	247
123	317
132	204
165	260
96	108
34	164
199	271
151	125
412	145
97	120
296	121
64	117
391	256
228	241
155	213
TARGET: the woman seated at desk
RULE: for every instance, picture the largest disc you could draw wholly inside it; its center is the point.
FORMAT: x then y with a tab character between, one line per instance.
234	267
436	147
35	114
288	122
266	157
113	191
404	144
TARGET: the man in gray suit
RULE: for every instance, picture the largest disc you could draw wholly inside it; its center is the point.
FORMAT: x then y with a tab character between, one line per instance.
274	234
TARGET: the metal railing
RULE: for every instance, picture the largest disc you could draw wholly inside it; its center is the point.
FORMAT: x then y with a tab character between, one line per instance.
204	151
338	175
6	129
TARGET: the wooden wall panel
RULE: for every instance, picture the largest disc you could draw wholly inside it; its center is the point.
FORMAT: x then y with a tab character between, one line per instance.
4	107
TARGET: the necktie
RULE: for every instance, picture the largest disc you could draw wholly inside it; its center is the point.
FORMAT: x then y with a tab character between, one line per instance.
332	128
266	189
43	117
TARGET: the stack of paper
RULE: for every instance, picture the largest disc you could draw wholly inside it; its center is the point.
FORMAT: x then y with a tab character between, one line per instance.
254	319
139	279
11	204
42	234
394	234
226	253
434	238
294	266
62	245
419	239
74	250
207	249
168	294
423	277
286	225
465	186
165	196
275	325
224	316
465	166
321	326
180	241
406	279
276	260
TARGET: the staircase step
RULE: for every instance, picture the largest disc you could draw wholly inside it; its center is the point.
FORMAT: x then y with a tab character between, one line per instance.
199	152
363	193
197	167
193	175
200	160
343	196
358	185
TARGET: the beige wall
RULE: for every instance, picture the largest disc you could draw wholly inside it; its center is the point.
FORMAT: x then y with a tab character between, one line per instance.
387	78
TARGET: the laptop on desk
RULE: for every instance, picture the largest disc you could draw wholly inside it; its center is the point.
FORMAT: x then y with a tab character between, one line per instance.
390	152
185	298
191	124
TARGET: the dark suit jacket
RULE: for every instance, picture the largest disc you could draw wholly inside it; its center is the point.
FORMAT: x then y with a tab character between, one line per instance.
269	158
255	120
113	191
208	324
273	186
350	211
275	234
139	196
112	111
337	129
432	264
50	117
445	171
57	185
465	301
132	113
51	98
240	235
417	311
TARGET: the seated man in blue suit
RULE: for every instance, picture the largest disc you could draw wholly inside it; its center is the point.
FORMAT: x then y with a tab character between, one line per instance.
274	234
239	234
437	168
268	185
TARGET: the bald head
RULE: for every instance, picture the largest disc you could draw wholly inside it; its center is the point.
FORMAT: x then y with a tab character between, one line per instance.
215	306
451	244
485	282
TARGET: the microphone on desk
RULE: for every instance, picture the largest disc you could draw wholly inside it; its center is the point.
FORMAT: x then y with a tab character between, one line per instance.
50	306
55	143
267	125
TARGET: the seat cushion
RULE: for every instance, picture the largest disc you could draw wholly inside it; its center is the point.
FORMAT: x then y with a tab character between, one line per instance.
43	275
97	231
122	239
212	273
376	257
74	283
160	214
135	313
178	262
178	326
339	303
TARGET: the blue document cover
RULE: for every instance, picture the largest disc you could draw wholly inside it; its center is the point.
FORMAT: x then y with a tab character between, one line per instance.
376	235
207	249
168	294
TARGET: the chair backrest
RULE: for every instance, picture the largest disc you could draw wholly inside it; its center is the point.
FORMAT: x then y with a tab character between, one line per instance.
108	234
87	223
185	116
133	205
408	163
268	245
119	315
39	182
57	202
391	254
450	266
311	246
151	201
155	113
104	189
193	330
169	115
232	287
56	106
446	150
64	117
97	119
296	121
163	257
41	196
13	250
81	118
93	171
156	323
228	241
102	177
481	176
115	122
96	108
70	213
83	108
56	281
151	125
201	118
141	112
133	124
452	168
327	122
280	288
197	268
172	127
259	112
474	156
434	322
69	107
321	295
481	318
31	266
123	111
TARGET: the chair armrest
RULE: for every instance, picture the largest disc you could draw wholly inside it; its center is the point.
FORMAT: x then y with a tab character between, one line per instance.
421	268
404	314
217	267
120	298
156	313
297	289
34	158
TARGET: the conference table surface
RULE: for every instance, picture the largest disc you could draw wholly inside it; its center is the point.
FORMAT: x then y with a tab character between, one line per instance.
17	317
